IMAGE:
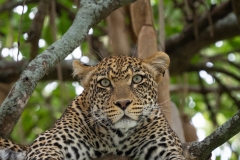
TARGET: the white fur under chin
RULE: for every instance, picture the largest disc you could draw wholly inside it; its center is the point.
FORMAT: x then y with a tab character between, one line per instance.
125	124
5	154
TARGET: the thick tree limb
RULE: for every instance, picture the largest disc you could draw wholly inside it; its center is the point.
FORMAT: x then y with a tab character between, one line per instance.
90	13
203	149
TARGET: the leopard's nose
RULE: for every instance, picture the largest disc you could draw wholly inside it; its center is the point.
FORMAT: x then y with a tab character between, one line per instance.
123	104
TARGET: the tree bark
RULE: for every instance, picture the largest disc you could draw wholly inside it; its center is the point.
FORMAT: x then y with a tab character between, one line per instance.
224	29
90	13
202	150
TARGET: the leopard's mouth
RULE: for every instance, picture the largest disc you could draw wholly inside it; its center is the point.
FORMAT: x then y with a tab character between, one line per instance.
125	123
125	117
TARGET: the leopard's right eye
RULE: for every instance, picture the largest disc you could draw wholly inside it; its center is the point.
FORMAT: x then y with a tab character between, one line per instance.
137	79
105	82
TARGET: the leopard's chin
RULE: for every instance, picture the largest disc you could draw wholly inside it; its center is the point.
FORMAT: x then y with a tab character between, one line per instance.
125	123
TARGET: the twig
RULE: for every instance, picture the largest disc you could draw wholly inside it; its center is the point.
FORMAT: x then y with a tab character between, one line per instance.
227	61
209	107
221	54
237	102
35	31
209	18
53	28
191	6
185	12
197	89
20	27
161	22
216	14
222	30
70	13
213	69
9	5
236	7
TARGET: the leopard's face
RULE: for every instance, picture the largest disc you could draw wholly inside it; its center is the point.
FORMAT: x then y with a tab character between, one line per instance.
122	90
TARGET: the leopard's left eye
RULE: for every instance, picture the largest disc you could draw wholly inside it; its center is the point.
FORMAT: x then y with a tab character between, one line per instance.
105	82
137	79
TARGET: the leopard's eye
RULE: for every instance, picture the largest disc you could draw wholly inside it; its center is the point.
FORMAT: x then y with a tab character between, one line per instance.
137	79
105	82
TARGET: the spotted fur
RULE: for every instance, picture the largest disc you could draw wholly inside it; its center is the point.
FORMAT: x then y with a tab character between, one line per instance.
11	151
117	114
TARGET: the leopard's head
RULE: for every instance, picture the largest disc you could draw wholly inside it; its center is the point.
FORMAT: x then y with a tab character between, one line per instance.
122	90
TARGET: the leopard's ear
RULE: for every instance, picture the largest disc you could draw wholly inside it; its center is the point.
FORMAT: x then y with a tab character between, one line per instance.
83	72
157	64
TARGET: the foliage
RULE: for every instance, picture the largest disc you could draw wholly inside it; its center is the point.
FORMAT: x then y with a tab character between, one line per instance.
210	100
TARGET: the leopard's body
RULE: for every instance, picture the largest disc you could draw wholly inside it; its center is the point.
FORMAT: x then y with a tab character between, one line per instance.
117	114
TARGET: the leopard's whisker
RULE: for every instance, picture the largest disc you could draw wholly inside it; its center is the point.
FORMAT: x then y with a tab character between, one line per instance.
161	103
165	111
145	47
135	51
91	54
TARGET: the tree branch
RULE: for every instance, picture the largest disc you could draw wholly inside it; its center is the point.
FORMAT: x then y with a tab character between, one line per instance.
203	149
71	14
89	14
213	69
9	5
226	28
188	32
35	31
236	8
227	91
11	70
209	107
220	58
197	89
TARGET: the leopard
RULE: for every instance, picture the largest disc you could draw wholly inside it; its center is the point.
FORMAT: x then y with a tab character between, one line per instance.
116	114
